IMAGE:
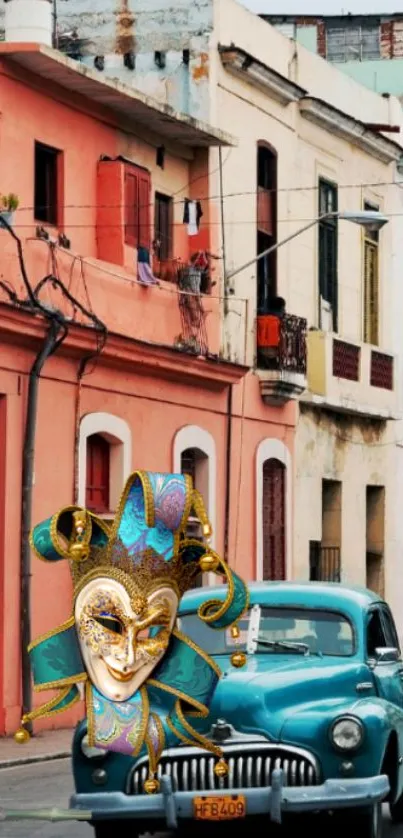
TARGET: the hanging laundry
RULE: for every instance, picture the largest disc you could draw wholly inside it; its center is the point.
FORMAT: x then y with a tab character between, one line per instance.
191	216
145	275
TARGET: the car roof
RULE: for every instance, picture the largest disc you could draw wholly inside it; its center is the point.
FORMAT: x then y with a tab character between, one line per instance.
332	595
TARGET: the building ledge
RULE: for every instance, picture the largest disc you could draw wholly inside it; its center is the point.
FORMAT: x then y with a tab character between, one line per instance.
349	407
26	329
280	386
135	107
350	129
240	63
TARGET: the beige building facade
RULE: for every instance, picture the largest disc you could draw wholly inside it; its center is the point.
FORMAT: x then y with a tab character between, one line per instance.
323	311
341	277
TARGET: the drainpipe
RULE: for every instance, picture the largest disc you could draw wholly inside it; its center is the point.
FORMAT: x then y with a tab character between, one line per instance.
51	343
228	474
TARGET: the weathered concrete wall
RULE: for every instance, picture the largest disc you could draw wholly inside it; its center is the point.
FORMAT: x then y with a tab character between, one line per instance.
109	29
155	24
358	454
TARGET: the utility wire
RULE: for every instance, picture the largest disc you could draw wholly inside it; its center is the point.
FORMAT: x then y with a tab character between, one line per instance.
239	194
202	226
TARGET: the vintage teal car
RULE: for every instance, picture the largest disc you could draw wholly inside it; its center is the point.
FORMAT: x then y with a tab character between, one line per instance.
312	722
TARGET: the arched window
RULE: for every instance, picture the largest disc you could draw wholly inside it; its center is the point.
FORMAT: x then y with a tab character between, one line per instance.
195	454
104	462
266	226
273	510
274	520
195	463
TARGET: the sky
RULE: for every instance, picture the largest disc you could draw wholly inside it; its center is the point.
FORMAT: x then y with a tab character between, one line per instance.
329	7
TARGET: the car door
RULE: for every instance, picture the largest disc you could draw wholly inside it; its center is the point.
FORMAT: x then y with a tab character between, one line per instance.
389	677
381	634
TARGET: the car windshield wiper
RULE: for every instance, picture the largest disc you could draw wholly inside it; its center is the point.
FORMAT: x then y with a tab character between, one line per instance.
288	645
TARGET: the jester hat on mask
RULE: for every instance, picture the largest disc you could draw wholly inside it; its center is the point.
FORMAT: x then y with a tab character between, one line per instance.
146	683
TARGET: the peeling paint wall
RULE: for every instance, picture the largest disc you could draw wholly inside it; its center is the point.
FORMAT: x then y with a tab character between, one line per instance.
111	28
358	453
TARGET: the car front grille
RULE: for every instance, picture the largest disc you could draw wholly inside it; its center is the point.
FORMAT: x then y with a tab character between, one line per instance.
250	766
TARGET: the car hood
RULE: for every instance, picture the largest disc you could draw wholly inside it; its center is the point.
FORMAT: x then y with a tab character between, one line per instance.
270	689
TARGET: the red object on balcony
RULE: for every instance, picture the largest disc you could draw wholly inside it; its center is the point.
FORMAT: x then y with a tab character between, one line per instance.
265	211
268	330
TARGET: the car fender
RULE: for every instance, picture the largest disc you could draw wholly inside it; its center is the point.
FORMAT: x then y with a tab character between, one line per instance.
310	727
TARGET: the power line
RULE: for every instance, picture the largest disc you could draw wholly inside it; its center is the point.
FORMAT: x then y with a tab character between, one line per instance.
251	192
236	223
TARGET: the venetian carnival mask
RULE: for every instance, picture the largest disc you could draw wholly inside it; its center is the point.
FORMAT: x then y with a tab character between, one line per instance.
122	638
144	679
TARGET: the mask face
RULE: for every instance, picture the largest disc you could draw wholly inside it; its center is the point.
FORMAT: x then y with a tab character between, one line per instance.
113	633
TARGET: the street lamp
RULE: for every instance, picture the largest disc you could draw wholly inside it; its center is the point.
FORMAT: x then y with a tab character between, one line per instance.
371	219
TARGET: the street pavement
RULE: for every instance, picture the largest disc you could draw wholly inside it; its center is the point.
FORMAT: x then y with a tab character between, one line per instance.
50	784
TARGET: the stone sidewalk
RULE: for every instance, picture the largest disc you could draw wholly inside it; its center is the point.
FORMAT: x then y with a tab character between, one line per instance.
45	745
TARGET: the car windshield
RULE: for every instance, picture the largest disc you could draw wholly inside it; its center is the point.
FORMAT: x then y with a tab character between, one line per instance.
270	631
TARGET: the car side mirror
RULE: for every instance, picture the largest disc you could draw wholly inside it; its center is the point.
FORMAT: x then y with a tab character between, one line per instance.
387	655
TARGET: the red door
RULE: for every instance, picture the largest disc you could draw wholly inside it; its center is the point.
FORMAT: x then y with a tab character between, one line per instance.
97	488
274	520
2	551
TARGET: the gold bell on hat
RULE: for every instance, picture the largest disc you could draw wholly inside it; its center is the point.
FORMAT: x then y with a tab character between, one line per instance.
221	769
22	736
238	659
79	552
151	786
208	564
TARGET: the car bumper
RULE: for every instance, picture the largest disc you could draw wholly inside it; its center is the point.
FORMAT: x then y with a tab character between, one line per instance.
172	807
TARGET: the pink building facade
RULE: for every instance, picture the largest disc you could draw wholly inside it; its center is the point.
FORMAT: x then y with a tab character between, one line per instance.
104	178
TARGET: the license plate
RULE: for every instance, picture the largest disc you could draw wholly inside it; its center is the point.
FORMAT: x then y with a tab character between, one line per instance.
225	808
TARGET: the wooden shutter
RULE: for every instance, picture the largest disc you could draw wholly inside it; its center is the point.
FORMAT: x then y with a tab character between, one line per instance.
371	293
163	225
265	211
144	209
274	520
97	486
132	206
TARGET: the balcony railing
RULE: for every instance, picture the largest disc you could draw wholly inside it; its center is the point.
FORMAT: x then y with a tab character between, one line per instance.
281	343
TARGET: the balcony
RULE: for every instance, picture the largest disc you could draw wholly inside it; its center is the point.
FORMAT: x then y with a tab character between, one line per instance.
163	331
281	357
350	377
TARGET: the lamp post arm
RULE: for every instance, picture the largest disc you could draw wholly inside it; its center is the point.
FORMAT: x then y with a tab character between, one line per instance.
274	247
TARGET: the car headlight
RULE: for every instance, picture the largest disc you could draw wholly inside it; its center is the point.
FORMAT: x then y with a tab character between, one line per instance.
347	733
91	753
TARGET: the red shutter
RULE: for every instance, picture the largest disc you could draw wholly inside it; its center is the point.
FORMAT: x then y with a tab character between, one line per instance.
132	206
144	209
97	486
274	520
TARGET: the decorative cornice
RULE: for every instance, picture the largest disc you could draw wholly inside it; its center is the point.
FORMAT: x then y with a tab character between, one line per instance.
25	329
350	129
240	63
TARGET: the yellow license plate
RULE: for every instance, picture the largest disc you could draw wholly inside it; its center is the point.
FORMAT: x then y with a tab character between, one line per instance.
225	808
